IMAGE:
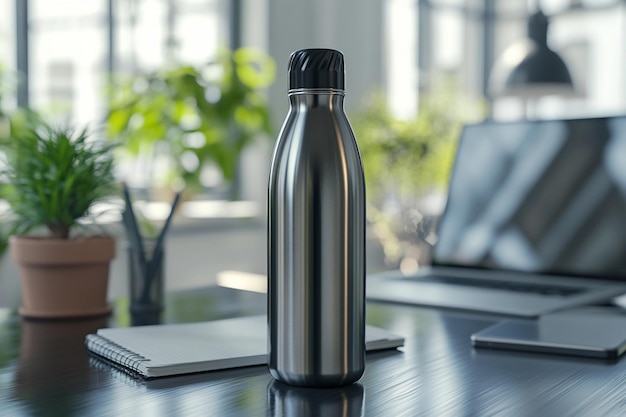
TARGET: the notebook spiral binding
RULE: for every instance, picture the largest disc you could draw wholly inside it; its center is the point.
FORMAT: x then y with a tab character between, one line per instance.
114	352
127	376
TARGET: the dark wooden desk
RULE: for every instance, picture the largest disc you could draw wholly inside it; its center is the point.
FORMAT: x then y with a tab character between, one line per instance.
45	370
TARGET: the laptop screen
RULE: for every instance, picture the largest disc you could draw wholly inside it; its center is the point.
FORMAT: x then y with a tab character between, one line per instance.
543	196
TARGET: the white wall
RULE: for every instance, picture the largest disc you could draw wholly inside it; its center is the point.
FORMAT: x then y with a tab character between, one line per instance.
283	26
351	26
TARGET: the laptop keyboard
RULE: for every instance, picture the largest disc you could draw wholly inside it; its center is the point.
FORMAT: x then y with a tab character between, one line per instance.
543	289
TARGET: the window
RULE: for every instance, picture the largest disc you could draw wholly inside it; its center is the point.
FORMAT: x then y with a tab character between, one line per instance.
70	46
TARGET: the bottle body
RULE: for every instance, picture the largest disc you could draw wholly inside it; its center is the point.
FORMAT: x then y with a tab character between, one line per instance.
316	246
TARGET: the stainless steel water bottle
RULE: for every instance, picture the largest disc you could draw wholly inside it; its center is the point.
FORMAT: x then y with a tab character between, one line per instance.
316	232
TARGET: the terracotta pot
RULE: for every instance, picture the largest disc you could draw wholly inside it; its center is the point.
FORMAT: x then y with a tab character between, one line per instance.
63	278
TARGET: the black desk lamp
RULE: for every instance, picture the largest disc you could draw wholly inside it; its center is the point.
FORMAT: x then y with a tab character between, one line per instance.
529	68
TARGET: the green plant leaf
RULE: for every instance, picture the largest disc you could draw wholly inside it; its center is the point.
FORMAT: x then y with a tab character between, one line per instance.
117	121
254	68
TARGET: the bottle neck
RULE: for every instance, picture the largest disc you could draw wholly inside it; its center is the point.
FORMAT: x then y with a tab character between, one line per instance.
317	98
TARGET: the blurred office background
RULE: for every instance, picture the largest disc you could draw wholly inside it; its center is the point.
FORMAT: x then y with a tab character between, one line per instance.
423	62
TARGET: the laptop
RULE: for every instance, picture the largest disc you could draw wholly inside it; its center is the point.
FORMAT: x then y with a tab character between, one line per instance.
535	221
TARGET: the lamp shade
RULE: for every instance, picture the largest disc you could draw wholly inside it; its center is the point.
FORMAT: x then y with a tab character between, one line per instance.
529	68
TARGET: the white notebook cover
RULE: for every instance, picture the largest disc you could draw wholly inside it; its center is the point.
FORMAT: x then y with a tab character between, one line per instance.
173	349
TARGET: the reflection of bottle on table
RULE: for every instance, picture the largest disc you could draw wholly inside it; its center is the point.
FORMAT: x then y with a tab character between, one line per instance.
286	401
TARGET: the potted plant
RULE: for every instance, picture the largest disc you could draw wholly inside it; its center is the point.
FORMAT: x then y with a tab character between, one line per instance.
53	177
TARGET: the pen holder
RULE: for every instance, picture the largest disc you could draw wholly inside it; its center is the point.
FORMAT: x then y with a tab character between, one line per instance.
146	284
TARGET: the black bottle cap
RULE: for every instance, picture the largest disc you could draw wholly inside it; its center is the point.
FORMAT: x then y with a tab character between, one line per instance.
316	68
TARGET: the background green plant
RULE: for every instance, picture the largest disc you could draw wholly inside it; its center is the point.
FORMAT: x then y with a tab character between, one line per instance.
54	176
406	159
210	113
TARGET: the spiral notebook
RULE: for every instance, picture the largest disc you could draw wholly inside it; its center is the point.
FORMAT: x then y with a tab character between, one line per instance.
175	349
